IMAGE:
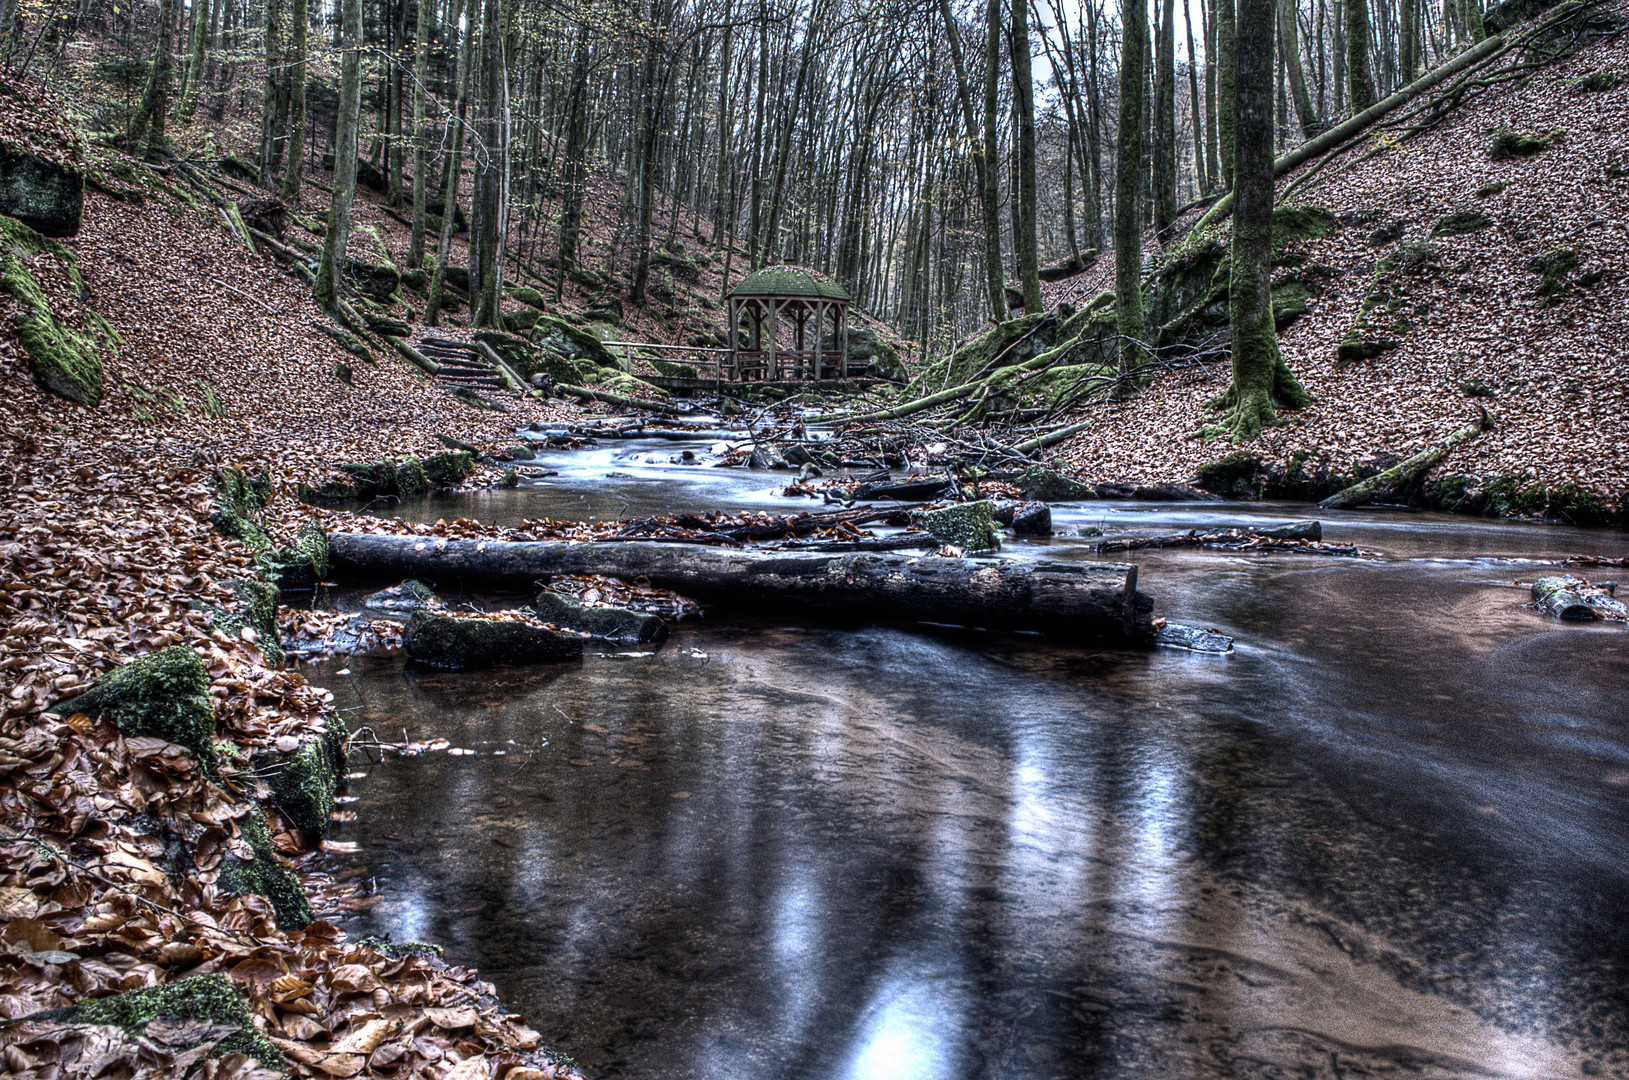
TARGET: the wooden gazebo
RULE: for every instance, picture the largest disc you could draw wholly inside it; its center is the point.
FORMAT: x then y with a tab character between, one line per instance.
810	303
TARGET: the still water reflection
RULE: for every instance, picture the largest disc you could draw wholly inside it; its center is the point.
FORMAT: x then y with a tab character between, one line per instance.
1386	835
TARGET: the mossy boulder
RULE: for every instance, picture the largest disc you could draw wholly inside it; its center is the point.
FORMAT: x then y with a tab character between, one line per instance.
969	526
1048	485
459	643
302	564
1012	340
65	360
255	607
378	281
305	782
516	351
410	595
44	196
572	342
163	694
607	623
449	469
518	322
372	478
1238	475
528	295
213	999
239	498
410	479
266	875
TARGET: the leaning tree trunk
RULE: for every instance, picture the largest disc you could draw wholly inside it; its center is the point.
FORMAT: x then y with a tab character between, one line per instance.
1081	600
1405	472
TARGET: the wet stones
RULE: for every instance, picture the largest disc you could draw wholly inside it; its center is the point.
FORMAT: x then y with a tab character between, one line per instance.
621	625
411	595
969	526
461	643
1048	485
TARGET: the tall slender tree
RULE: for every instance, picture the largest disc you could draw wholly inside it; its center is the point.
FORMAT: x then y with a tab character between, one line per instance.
330	269
1289	49
1023	88
1164	163
1128	161
1226	51
147	126
1359	80
1261	379
992	149
296	77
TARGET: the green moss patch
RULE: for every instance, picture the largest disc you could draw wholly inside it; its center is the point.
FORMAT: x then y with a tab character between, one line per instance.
1555	270
65	360
1388	311
211	998
305	782
1506	144
1466	221
256	608
265	875
164	694
1489	190
449	469
975	355
302	564
1596	82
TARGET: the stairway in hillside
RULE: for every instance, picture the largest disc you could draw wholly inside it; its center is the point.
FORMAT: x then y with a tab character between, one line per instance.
461	364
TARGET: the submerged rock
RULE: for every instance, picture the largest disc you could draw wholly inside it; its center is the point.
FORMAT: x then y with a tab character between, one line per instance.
1194	639
165	694
410	595
461	643
1049	485
616	624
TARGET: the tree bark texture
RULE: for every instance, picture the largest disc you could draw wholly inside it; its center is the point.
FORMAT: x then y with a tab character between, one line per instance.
1128	231
330	271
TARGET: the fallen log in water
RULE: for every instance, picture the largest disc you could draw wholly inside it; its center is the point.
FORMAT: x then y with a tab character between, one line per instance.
1310	531
1080	600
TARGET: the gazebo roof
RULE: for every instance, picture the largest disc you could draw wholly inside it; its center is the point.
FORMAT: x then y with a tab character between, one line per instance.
792	281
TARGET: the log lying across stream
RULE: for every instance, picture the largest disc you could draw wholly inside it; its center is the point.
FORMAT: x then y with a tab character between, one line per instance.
1078	600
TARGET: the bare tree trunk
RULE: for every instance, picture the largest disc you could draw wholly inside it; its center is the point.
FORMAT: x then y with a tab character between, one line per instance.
295	80
1023	88
1165	202
1261	379
1360	83
994	269
421	72
449	204
147	126
331	269
1289	47
1226	55
1128	232
195	59
994	286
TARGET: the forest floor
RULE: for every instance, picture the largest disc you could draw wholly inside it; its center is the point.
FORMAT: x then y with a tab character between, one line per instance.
1551	367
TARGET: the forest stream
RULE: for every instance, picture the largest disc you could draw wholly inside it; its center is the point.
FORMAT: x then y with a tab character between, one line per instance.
1386	833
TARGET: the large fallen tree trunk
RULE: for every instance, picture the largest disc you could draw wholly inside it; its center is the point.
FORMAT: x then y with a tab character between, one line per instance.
1405	472
1081	600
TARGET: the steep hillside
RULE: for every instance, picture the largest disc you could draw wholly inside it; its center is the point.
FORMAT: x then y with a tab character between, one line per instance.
1508	287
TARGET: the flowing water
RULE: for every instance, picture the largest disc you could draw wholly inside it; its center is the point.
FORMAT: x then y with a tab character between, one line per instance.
1386	835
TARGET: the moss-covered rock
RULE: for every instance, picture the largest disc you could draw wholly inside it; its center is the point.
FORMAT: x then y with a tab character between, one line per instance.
304	783
378	281
449	469
459	644
1388	311
970	526
518	322
974	355
43	195
410	595
266	875
1049	485
256	608
239	498
65	360
411	480
528	295
572	342
165	694
607	623
471	398
1238	475
210	998
302	564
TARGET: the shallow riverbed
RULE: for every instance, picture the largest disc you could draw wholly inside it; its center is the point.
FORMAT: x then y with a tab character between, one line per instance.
1388	832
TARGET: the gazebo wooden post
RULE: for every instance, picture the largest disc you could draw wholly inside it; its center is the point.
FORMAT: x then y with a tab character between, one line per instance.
820	332
773	371
735	338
